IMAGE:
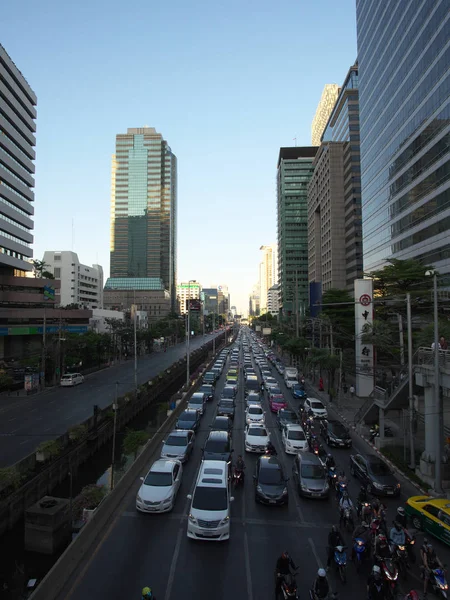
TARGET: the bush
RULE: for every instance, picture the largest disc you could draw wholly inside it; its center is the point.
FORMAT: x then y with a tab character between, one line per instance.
50	447
134	440
10	477
89	498
77	432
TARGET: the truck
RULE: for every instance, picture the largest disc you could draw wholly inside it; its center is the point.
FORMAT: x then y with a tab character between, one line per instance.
290	376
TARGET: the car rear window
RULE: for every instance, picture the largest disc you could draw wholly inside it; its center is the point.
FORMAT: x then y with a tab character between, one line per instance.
312	472
218	446
257	431
188	417
176	440
255	410
158	479
317	405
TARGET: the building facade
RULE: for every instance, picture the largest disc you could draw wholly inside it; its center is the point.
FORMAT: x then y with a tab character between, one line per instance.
334	196
295	169
323	111
145	294
187	291
273	303
144	208
80	284
17	141
268	274
209	297
404	89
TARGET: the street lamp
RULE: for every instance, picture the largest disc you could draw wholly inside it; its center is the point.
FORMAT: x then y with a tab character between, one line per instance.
437	396
115	407
188	344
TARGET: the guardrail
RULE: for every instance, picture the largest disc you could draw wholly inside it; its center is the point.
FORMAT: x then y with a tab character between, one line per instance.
425	356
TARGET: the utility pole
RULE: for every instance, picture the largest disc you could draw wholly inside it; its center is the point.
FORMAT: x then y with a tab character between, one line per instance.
320	332
402	343
412	460
44	350
296	305
331	339
437	393
115	407
340	376
135	347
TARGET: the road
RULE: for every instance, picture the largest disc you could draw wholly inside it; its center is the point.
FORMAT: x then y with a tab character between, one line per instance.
26	422
139	550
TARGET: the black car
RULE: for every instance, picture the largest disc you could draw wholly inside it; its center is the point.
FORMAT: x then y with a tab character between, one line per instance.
375	474
225	408
286	417
189	419
209	377
335	434
270	482
208	390
222	424
228	393
217	446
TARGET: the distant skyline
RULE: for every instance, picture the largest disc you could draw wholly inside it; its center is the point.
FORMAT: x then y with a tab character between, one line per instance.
225	84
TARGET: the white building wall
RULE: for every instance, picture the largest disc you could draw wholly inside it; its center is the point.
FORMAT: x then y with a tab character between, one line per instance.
185	291
98	320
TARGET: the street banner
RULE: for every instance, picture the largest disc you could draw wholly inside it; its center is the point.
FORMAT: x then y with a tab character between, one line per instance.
363	352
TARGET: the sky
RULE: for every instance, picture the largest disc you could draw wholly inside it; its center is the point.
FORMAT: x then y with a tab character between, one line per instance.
225	83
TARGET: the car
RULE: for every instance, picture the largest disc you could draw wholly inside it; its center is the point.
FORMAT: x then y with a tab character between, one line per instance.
217	372
280	368
249	371
71	380
179	444
298	391
189	419
276	400
222	424
217	446
335	434
375	474
160	486
225	408
293	438
253	398
252	384
209	377
286	417
254	414
316	406
270	382
309	476
233	383
197	401
266	373
256	438
228	392
431	515
270	482
208	390
233	373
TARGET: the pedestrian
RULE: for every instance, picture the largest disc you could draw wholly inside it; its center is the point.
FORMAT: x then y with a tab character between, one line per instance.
345	388
321	385
443	343
352	390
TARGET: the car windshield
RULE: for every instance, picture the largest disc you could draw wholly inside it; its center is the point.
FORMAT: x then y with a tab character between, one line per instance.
176	440
226	403
66	377
231	381
218	446
196	401
296	435
188	417
158	479
257	431
228	393
379	468
275	391
317	405
271	476
206	389
288	415
255	410
210	498
312	472
219	424
297	386
339	430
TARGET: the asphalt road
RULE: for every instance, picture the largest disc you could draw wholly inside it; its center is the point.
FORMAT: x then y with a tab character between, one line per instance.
26	422
139	550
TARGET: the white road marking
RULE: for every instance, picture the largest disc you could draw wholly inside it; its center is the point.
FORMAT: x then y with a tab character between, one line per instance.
24	442
247	568
13	419
314	551
173	566
48	429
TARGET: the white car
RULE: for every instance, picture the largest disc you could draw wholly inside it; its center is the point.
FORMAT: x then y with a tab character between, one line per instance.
254	413
160	486
256	438
71	380
318	409
294	439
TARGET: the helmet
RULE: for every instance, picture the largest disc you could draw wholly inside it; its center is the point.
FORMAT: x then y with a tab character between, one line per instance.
285	554
329	455
321	573
382	538
401	512
376	569
147	592
430	548
333	528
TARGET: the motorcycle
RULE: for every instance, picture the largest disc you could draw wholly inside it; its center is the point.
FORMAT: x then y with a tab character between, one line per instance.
375	432
365	512
270	451
410	543
439	582
390	574
288	587
347	519
238	477
400	557
359	548
341	487
332	476
340	560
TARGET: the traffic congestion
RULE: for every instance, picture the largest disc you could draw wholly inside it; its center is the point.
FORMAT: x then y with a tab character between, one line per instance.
260	491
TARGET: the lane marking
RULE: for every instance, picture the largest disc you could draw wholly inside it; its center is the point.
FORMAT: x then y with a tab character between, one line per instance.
173	565
314	551
13	419
24	442
48	429
247	568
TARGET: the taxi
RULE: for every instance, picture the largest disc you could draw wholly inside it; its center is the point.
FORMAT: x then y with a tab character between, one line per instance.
233	373
431	515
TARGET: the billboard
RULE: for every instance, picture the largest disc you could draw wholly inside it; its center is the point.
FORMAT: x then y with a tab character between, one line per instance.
363	352
258	328
194	304
267	330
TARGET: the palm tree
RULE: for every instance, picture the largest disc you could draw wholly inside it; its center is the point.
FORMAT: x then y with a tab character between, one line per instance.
38	267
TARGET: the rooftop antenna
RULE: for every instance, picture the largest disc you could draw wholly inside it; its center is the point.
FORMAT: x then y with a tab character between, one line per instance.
73	233
295	140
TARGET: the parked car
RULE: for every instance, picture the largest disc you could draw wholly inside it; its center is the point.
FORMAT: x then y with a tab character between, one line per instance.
375	474
293	438
335	434
197	401
270	482
217	446
208	390
286	417
189	419
317	407
225	408
179	444
71	380
159	487
309	476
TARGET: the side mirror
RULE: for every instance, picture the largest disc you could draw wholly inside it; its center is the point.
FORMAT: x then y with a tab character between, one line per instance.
141	478
189	496
231	498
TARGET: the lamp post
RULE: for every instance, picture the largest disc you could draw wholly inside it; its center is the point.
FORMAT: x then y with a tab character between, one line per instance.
115	407
188	343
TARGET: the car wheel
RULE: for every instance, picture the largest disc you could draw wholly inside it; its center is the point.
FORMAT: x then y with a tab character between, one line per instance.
352	470
417	522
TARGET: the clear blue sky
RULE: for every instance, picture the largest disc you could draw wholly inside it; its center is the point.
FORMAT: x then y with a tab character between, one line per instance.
226	83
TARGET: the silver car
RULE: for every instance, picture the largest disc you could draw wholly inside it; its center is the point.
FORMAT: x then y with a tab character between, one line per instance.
179	444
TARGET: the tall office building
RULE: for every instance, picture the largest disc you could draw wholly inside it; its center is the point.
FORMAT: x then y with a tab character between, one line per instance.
189	290
323	112
17	141
144	209
334	197
268	273
295	169
404	87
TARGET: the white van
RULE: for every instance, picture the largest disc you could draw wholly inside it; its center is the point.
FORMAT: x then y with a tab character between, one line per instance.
72	379
209	514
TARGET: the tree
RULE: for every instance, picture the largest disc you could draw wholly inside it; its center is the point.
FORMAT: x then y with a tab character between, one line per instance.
401	276
47	275
38	267
134	440
338	306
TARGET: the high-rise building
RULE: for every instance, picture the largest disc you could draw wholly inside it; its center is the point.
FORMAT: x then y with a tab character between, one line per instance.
273	303
80	284
187	290
323	112
17	141
210	301
404	85
268	275
295	168
144	209
334	196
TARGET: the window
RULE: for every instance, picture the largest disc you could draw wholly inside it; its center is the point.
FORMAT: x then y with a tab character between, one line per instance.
57	272
432	510
57	257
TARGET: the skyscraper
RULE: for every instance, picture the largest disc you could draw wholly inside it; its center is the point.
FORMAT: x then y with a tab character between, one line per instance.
404	87
17	141
268	273
323	111
144	209
295	168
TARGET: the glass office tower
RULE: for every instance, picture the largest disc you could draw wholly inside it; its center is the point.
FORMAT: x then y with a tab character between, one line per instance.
404	98
143	208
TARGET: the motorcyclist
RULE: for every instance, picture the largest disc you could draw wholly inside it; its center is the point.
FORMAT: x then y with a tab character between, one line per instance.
362	532
334	539
270	449
344	504
363	498
430	561
283	567
240	466
340	481
330	462
401	517
381	548
321	587
376	589
147	594
397	535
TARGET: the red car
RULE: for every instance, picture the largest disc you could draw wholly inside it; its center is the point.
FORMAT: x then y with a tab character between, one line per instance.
276	400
